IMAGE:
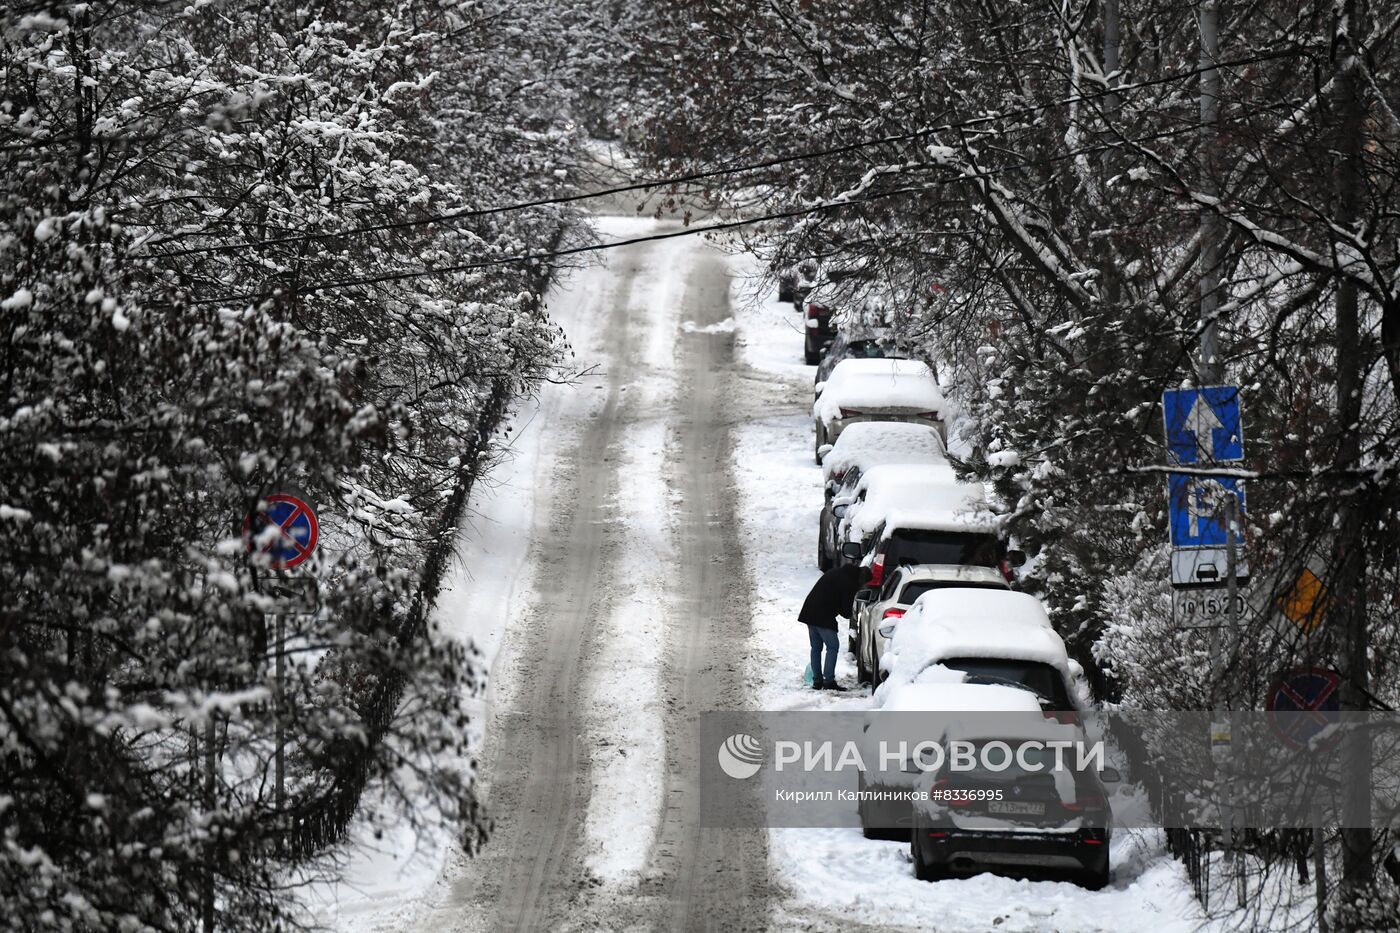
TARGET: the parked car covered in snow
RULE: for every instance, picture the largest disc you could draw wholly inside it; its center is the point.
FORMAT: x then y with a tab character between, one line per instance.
888	603
1042	811
863	447
877	390
904	514
855	343
982	636
914	713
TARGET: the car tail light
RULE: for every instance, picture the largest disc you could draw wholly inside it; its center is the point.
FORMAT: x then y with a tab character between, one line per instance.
944	792
937	834
837	477
1006	571
814	309
1091	841
893	614
1092	801
877	570
851	412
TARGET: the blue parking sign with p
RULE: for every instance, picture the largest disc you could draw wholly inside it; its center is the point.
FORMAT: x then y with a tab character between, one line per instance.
1201	508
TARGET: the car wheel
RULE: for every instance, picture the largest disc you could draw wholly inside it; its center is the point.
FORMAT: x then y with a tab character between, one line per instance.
817	446
813	355
862	672
922	870
1096	879
866	830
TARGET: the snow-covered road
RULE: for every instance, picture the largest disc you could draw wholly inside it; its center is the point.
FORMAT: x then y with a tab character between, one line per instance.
640	560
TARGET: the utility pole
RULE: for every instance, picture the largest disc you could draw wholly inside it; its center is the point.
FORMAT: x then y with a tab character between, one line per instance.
1211	368
1357	841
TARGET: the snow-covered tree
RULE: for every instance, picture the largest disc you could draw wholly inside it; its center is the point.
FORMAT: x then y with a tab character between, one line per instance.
216	222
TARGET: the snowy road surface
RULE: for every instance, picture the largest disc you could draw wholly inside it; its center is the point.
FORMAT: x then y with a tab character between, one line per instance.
639	561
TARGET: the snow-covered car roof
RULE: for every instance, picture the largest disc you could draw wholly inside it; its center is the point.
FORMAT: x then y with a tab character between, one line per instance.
918	496
959	698
954	604
1014	729
868	444
880	384
956	623
953	573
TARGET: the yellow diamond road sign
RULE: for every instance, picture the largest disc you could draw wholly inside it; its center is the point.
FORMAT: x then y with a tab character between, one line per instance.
1305	603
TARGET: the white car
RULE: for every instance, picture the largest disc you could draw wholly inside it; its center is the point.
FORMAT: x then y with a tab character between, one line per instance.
877	390
982	636
862	447
882	607
929	492
898	720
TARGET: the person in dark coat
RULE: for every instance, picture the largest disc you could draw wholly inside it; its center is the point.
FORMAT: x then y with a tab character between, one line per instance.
831	596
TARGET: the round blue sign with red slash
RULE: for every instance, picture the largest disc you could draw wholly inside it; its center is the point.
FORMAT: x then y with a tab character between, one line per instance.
1303	702
296	525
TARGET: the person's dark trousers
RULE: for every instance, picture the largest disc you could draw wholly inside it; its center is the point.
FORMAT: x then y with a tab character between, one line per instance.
823	638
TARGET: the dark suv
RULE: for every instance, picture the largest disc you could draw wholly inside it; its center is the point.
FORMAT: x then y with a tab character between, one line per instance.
1014	820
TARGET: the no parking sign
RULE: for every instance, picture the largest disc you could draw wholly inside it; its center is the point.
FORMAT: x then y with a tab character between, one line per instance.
1302	703
296	530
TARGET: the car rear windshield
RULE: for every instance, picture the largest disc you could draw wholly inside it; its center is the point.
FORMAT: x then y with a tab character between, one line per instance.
919	587
908	546
1034	675
866	349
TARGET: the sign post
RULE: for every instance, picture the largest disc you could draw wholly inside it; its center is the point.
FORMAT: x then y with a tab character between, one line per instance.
285	531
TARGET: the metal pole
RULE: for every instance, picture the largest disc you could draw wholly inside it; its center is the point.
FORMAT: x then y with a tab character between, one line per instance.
278	695
1319	842
1231	621
1211	369
212	845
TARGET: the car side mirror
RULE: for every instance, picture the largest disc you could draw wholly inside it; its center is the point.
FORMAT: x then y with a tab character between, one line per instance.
886	630
824	449
817	389
1016	557
865	595
839	510
1110	776
851	551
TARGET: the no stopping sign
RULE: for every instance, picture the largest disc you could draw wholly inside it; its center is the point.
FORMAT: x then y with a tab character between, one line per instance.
295	535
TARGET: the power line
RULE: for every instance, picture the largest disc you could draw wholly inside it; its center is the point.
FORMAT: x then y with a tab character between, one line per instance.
690	231
570	251
719	172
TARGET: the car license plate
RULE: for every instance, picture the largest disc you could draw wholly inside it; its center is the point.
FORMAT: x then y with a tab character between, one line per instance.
1016	807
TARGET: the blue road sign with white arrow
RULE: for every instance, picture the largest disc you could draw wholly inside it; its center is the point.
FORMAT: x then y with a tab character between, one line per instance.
1203	425
1203	430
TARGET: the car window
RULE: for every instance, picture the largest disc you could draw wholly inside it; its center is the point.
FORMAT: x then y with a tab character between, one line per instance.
891	586
1034	675
908	546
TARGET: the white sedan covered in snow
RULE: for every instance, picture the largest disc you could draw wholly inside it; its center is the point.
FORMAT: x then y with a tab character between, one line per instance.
877	390
918	515
982	637
865	446
888	604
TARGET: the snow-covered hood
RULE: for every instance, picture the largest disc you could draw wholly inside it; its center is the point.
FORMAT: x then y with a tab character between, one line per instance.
871	444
